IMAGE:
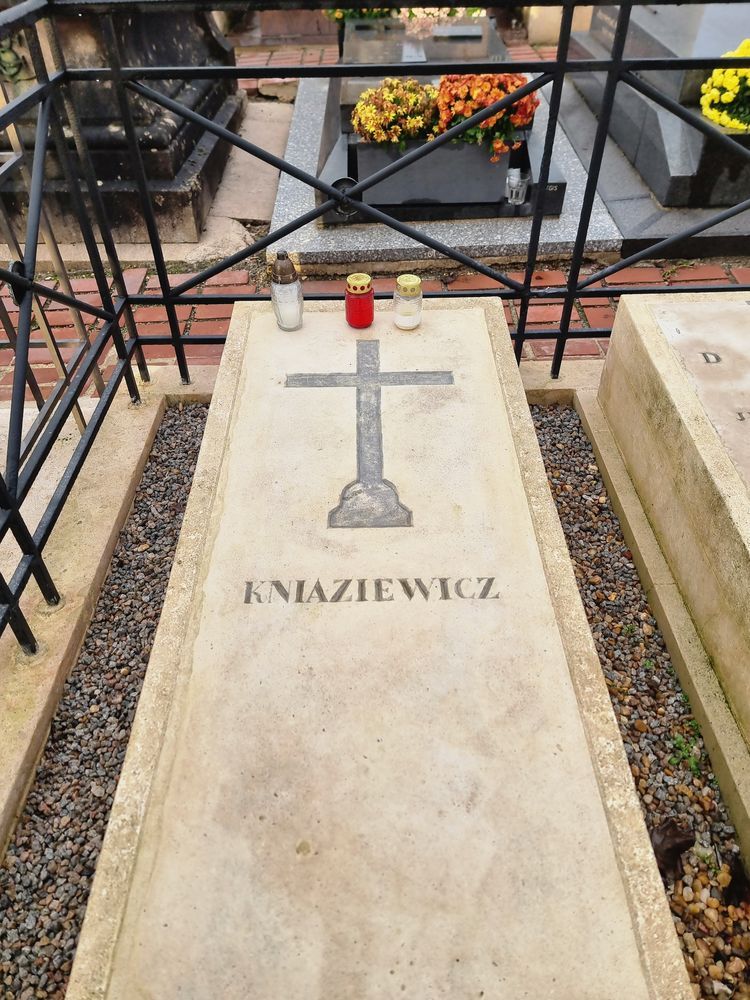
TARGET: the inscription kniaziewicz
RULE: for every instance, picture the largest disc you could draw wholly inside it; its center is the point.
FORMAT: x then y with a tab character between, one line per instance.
380	589
370	501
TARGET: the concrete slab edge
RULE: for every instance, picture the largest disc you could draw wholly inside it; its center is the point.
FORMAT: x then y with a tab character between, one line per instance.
660	951
726	748
60	631
109	893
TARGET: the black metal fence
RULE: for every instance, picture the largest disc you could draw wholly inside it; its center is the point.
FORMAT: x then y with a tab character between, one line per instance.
112	324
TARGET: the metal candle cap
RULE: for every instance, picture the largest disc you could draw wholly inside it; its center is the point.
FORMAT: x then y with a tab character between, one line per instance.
408	284
358	284
283	272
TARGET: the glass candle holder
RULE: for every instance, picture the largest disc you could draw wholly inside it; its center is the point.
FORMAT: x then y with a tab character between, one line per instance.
286	293
407	302
360	301
516	186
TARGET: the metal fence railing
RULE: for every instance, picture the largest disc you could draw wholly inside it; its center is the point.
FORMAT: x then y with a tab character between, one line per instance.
110	322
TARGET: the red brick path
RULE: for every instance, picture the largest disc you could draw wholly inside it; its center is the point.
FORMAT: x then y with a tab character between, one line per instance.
212	319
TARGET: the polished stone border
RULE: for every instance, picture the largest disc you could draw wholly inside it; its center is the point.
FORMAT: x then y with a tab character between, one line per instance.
484	238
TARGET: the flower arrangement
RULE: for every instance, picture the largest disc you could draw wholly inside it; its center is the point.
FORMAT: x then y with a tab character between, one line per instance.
365	14
397	110
726	94
419	21
461	96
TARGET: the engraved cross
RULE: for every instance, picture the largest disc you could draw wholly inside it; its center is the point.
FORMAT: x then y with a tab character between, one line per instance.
370	501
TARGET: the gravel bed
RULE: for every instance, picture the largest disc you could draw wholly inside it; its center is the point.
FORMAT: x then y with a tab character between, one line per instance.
46	875
705	884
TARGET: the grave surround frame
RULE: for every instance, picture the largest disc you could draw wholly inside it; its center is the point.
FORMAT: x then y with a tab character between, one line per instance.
57	119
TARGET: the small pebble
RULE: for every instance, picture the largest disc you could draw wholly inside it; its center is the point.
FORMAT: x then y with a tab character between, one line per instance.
46	874
671	771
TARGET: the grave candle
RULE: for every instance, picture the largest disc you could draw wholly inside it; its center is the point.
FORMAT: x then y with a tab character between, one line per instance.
286	293
407	301
360	301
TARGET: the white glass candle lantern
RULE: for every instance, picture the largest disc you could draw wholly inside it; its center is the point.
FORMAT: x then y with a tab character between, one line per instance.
407	302
516	186
286	293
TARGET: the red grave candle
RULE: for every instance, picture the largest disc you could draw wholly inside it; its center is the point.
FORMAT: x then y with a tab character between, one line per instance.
360	301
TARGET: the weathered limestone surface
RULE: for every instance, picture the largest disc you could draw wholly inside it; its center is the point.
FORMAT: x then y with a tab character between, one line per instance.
676	392
358	787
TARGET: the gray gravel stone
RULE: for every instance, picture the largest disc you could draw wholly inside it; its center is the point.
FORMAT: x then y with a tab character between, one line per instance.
670	768
46	874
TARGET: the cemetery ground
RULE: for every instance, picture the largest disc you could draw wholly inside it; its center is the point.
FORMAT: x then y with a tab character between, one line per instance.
679	740
52	853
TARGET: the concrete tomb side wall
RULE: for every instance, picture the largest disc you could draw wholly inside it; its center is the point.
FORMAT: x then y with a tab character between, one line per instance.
692	492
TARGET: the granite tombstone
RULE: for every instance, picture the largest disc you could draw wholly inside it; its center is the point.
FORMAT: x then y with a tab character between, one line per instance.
682	167
183	162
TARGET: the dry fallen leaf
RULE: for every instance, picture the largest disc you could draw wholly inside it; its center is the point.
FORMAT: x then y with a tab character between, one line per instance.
669	842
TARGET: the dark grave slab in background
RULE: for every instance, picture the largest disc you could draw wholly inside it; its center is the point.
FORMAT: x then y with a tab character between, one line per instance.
682	167
457	181
640	218
184	163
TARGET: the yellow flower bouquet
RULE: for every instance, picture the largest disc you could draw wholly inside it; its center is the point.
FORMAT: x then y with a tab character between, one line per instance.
725	96
397	110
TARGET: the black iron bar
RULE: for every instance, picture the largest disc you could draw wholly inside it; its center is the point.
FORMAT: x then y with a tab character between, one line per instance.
94	193
15	17
403	161
14	109
566	24
261	244
28	546
332	192
9	168
113	54
23	284
7	231
656	248
614	291
181	5
83	447
10	331
23	334
35	462
81	209
11	614
336	70
32	434
592	179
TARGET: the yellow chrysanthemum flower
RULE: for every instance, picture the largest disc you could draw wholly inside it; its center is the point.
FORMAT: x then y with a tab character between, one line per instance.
725	95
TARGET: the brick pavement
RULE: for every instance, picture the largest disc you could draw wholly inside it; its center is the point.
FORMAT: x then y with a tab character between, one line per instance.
213	319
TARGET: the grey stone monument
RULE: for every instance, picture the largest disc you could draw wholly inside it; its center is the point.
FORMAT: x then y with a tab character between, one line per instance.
183	162
682	167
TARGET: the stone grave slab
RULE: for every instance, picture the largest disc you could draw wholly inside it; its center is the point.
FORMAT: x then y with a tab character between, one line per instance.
360	767
498	239
676	392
